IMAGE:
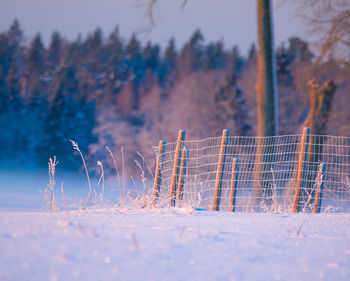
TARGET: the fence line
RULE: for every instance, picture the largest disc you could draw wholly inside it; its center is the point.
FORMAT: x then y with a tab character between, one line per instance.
209	176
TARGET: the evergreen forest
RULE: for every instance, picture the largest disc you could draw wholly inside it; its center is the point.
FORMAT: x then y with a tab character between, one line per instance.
108	91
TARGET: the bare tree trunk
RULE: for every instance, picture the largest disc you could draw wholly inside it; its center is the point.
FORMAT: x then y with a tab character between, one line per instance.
321	98
266	90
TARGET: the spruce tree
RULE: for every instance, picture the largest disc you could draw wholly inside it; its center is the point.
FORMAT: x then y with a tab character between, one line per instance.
167	70
136	67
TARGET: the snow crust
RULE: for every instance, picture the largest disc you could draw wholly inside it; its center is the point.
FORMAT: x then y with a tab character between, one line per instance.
173	244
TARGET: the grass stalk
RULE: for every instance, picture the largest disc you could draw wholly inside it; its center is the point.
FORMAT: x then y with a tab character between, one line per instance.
116	169
123	172
143	180
65	202
102	179
76	147
52	169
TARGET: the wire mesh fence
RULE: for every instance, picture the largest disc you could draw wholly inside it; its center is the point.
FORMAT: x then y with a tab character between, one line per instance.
270	174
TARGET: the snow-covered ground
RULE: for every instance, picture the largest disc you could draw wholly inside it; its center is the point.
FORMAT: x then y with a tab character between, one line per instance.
167	244
159	244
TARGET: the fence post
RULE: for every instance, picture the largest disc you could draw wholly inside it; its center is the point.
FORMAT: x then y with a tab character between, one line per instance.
220	170
158	174
234	182
183	171
302	164
176	167
320	181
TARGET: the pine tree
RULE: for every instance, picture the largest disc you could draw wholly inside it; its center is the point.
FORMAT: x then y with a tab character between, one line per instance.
36	53
167	71
299	50
236	60
92	51
192	54
136	66
55	49
151	57
230	107
36	66
215	56
71	116
283	65
252	53
116	64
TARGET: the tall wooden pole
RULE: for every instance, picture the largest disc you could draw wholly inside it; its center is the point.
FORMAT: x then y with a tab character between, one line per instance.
267	100
266	86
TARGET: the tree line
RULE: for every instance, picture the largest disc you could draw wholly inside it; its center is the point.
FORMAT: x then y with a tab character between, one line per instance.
107	91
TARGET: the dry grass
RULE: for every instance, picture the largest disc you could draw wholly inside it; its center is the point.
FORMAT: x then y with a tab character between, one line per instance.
65	202
115	167
50	190
101	180
76	147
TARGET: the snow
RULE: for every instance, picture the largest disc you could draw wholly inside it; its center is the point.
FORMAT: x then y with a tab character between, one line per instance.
159	244
173	244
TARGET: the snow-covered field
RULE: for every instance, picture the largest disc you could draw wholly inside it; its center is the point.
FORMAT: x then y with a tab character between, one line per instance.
180	244
161	244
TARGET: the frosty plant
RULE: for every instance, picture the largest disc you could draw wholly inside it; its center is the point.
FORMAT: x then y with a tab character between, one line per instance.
143	176
123	168
115	166
143	179
145	163
65	202
102	179
50	191
76	147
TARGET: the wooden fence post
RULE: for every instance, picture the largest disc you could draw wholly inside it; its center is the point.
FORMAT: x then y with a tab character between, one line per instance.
320	181
302	165
176	167
220	170
183	171
234	182
158	174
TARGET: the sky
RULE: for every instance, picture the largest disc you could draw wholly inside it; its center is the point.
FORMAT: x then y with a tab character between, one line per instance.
233	21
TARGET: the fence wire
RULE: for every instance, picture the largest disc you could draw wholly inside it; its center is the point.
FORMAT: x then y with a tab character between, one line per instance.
268	170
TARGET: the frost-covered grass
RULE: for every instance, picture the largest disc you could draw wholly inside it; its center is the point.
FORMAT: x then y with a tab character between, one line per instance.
173	244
